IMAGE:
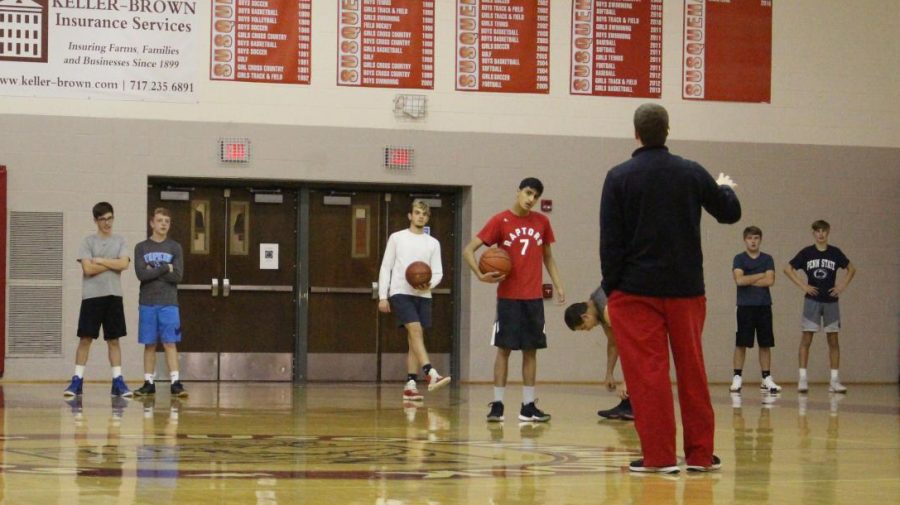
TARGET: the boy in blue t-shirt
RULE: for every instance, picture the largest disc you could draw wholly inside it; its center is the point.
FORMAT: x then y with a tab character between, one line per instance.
754	273
821	262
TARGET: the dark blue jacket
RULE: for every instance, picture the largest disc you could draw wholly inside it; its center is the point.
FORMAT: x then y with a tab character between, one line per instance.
650	223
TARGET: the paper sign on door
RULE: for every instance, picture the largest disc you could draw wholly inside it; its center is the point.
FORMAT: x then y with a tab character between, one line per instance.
268	256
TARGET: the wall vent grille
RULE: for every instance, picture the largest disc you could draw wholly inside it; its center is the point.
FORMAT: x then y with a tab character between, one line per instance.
35	284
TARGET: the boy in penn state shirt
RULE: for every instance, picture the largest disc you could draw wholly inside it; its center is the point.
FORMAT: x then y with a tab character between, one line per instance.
159	265
820	261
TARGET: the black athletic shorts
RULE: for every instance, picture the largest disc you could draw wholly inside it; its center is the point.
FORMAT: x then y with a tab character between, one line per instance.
411	309
519	324
105	311
754	319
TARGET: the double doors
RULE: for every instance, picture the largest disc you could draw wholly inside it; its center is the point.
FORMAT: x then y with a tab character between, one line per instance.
282	283
348	338
237	296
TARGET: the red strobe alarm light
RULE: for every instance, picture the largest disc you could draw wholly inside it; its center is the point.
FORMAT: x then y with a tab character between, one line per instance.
234	150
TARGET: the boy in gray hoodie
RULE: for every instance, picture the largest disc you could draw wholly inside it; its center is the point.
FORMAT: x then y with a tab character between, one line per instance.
159	265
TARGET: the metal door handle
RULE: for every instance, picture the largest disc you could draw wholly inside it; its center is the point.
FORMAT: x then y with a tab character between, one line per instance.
374	290
215	287
262	288
226	287
337	290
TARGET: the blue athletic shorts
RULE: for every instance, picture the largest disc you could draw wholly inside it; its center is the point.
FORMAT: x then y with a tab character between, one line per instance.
411	309
159	323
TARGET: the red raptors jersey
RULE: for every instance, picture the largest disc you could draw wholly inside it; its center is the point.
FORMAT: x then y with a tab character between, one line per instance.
523	237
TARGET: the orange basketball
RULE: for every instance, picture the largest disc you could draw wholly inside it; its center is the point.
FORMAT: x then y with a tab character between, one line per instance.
418	273
495	260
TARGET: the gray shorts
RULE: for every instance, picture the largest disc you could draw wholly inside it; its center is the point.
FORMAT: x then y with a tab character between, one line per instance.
820	316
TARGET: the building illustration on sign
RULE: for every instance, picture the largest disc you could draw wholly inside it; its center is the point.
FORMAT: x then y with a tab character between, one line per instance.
23	30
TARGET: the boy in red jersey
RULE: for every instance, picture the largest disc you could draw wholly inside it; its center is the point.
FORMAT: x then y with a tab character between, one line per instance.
519	326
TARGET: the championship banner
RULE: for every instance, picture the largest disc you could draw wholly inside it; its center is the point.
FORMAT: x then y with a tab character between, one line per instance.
386	43
727	50
261	41
616	48
109	49
503	46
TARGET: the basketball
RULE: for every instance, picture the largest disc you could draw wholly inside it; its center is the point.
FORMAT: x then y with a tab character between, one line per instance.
495	260
418	273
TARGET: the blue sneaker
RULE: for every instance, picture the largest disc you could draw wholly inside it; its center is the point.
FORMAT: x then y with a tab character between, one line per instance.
119	388
74	388
75	406
118	404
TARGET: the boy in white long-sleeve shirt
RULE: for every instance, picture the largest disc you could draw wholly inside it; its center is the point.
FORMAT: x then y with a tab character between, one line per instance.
411	305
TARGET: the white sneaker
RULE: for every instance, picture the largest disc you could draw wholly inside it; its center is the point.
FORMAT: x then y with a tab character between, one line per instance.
836	387
735	400
802	386
834	400
769	385
436	380
736	384
410	409
410	392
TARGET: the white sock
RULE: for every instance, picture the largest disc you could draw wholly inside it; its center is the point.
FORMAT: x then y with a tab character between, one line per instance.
498	393
803	374
79	371
174	376
527	394
116	371
834	375
148	377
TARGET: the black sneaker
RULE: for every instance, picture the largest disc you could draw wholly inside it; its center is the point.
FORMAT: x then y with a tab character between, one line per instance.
496	414
620	411
530	412
625	410
531	429
638	466
148	402
177	389
716	464
148	389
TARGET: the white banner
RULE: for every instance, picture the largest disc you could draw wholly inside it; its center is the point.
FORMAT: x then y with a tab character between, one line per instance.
109	49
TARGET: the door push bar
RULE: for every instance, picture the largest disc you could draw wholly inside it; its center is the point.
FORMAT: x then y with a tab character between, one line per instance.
227	288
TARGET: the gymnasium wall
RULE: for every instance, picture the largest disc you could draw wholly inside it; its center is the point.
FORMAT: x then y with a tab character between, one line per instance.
834	82
67	164
828	146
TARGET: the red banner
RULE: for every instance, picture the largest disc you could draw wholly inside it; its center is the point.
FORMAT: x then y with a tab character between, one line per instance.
2	275
616	48
727	50
503	46
261	41
386	43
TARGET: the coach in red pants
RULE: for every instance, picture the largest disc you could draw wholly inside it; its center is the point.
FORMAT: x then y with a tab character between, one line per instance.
652	267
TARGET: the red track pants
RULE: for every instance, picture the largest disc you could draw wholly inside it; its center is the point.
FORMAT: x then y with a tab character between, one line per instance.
645	327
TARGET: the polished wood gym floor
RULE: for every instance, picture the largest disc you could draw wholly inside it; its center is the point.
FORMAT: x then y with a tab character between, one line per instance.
265	443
